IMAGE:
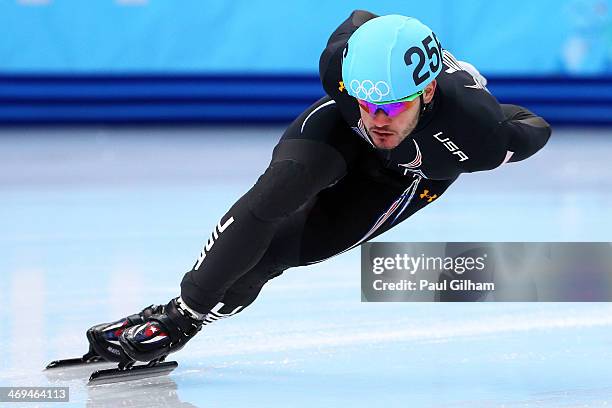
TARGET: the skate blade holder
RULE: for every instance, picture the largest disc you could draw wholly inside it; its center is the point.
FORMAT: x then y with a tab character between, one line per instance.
130	372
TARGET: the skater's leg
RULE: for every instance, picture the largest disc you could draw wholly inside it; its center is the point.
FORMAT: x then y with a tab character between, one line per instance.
335	221
329	224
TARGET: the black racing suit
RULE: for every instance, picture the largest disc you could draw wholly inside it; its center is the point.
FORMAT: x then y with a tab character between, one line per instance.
328	189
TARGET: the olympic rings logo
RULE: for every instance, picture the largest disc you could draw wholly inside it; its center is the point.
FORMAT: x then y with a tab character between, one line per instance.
368	90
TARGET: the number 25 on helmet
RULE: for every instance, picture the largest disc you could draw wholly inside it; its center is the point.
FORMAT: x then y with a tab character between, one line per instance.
390	59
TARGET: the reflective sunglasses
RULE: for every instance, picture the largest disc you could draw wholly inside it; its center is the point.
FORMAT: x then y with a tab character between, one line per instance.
392	108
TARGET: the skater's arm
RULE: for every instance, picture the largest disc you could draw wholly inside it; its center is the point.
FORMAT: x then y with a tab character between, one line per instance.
330	61
525	132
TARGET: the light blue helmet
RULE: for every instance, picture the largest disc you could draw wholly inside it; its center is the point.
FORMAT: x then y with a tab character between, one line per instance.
390	58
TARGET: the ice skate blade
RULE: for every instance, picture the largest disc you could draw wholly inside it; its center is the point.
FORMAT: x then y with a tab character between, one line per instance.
72	362
115	375
89	358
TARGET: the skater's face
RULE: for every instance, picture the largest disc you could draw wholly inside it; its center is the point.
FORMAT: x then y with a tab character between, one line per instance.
386	131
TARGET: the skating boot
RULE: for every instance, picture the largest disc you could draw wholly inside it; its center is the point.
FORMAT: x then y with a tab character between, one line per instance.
161	334
104	338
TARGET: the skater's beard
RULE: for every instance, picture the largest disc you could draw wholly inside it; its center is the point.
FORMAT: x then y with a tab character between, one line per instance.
391	135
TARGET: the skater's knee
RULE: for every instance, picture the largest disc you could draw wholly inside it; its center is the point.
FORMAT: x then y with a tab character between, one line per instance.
281	190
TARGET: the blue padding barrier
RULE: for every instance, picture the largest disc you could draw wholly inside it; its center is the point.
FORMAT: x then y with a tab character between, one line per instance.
31	99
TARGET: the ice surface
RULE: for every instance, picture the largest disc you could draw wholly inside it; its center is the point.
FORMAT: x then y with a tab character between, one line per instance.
97	223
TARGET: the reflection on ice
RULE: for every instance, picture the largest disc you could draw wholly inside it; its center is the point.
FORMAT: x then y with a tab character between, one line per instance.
155	392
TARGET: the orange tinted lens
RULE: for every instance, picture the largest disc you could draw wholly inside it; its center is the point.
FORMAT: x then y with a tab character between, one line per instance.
363	105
